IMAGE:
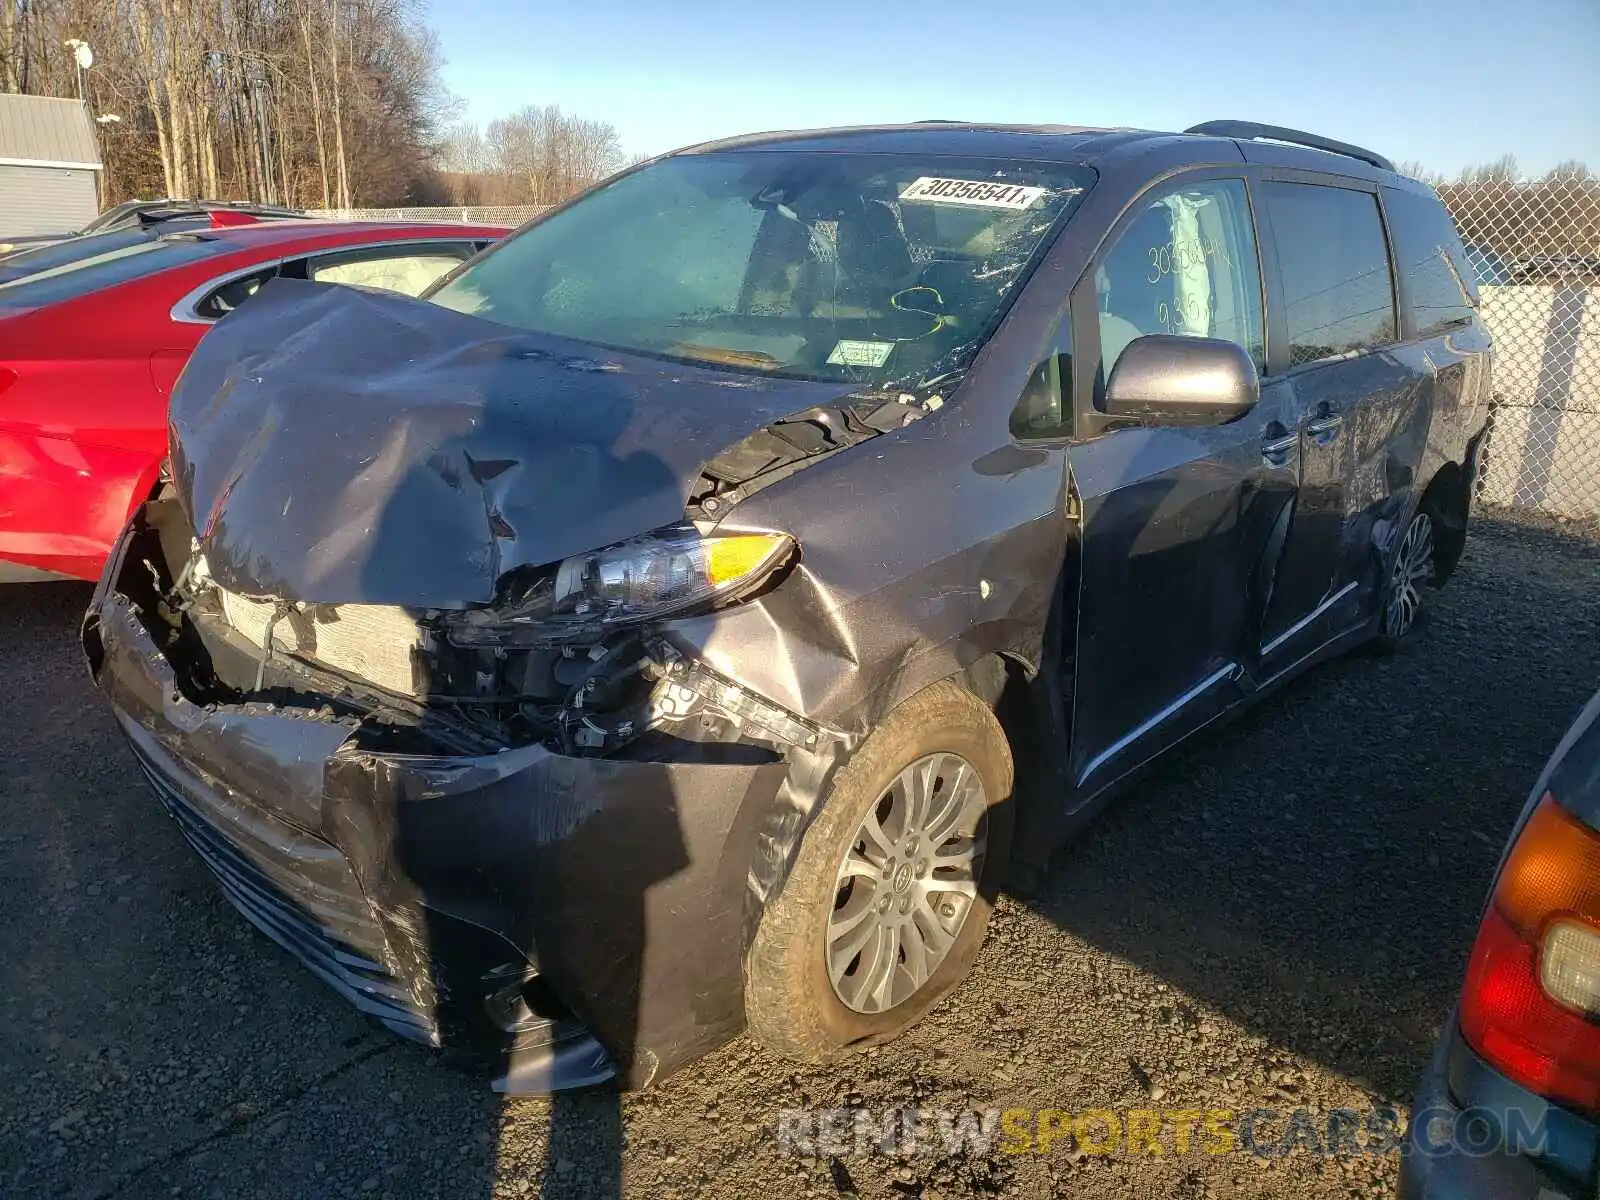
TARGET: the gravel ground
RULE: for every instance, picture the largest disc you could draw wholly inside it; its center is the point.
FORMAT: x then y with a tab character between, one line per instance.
1277	918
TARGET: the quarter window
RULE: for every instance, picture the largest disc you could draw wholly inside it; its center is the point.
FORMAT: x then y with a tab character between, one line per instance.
230	295
1187	266
1045	409
1432	261
1334	262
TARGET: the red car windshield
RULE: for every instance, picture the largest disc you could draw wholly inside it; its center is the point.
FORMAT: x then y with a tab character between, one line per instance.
115	265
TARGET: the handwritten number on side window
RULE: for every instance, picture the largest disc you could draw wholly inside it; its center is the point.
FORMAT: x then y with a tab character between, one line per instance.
1174	257
1173	318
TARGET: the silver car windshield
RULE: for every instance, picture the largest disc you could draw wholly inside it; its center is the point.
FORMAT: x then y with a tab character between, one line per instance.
862	267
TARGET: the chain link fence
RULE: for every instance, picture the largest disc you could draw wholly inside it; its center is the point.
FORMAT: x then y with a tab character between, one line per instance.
1537	250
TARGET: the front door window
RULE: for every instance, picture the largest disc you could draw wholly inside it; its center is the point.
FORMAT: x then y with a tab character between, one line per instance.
1186	265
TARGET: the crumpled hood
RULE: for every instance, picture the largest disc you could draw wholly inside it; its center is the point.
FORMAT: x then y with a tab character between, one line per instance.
334	445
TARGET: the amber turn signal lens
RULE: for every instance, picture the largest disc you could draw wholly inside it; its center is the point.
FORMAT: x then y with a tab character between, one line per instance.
730	559
1554	868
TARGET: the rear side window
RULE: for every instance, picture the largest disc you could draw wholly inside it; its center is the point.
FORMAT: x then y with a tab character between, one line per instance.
1434	271
408	270
1334	266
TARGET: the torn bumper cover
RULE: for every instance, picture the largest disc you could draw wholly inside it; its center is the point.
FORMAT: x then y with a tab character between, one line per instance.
494	904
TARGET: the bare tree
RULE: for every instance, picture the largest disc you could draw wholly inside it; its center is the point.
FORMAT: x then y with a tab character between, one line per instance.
298	101
1414	169
463	150
1569	171
551	154
1502	170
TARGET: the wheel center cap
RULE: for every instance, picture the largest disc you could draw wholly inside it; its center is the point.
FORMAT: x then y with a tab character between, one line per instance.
901	882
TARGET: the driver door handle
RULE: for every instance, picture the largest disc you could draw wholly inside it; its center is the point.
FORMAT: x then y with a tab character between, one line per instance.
1276	450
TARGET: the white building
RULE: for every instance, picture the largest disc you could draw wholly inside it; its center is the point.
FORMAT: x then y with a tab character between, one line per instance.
49	162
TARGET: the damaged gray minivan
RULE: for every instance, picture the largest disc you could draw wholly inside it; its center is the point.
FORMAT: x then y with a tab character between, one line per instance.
688	614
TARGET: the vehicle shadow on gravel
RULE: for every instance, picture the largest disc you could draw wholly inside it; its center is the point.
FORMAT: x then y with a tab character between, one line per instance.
1316	871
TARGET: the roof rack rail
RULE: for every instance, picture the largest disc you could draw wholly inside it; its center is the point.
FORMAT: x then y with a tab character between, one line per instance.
1252	130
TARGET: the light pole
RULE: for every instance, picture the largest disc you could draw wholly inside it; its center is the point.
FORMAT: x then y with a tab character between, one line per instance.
106	121
83	56
83	59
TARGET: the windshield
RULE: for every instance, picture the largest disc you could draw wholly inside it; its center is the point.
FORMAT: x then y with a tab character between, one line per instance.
117	262
865	268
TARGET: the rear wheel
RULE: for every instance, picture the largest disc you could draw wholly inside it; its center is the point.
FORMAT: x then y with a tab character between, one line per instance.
890	895
1411	570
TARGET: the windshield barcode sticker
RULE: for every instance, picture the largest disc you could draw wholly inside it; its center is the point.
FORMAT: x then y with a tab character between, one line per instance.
860	354
974	193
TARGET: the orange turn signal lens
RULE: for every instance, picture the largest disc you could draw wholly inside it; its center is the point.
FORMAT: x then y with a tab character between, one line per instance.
1554	868
739	556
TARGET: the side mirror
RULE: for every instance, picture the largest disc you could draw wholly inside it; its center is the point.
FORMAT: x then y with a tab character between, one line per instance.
1173	380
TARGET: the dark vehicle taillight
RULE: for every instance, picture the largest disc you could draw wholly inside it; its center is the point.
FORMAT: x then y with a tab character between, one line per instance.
1531	1005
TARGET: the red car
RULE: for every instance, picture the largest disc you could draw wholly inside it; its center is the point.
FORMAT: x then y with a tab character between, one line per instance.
90	349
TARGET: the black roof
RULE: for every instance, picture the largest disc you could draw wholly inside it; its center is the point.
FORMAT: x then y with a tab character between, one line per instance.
1218	141
1045	143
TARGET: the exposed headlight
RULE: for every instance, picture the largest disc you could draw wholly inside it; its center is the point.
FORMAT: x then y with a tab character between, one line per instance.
665	574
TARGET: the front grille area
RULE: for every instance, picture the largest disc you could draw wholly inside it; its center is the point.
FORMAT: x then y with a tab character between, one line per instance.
296	889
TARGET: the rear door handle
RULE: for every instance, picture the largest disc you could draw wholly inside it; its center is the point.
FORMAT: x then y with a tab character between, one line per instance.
1324	429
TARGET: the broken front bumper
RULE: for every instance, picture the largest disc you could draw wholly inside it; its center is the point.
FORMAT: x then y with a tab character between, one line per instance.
565	920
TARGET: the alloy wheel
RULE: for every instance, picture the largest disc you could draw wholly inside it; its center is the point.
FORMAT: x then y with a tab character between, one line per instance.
1413	565
906	884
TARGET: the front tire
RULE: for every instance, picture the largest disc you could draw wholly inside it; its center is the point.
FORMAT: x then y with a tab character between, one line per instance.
891	892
